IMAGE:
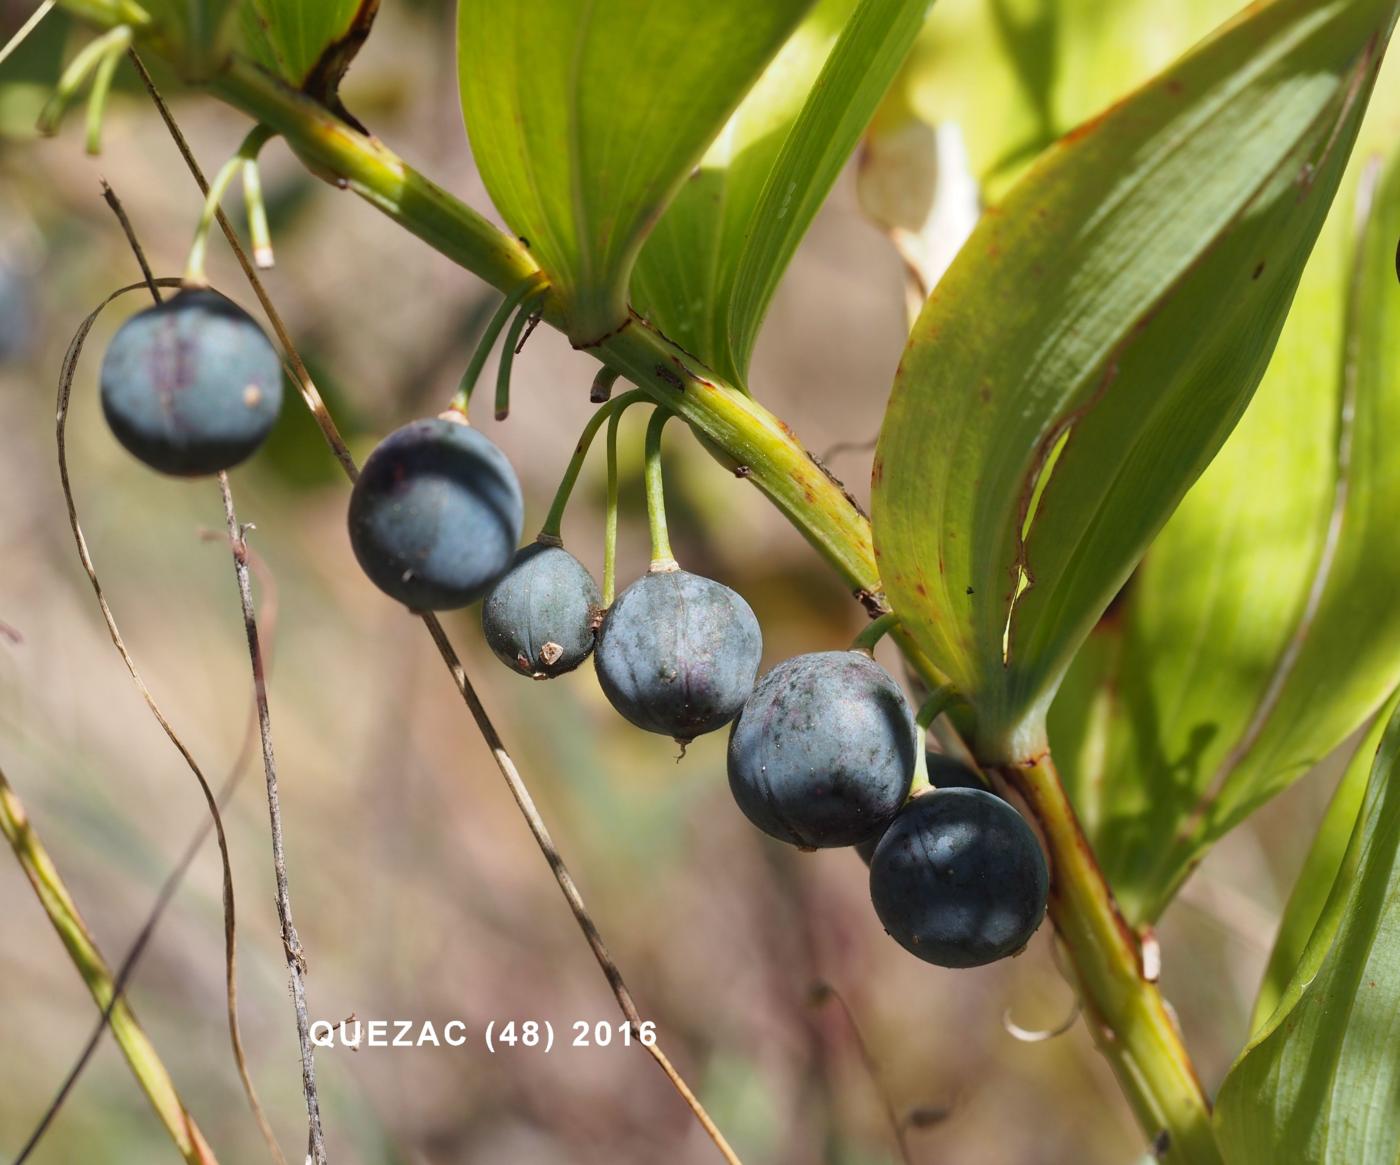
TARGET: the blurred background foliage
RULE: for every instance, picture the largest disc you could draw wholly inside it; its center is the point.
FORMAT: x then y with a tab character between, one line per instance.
418	893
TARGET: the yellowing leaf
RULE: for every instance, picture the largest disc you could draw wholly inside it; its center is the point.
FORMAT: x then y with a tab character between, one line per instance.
1096	340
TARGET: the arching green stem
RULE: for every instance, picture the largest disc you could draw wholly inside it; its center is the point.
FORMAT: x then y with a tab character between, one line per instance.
110	44
101	86
610	519
943	697
875	632
661	556
508	350
259	234
921	781
603	383
531	283
554	520
247	152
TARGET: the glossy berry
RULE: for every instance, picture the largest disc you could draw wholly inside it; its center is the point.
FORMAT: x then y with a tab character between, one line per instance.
540	616
958	879
436	514
192	385
943	773
677	654
823	752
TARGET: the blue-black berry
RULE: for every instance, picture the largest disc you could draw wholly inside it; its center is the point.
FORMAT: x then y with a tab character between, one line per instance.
677	654
435	516
191	386
823	752
540	617
959	878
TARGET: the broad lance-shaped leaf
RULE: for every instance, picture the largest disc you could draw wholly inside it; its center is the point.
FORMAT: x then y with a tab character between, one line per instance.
308	43
1035	443
1318	875
708	272
1261	628
1320	1083
586	117
1015	74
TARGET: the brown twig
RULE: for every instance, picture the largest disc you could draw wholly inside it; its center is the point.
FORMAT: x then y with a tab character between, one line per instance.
513	780
296	961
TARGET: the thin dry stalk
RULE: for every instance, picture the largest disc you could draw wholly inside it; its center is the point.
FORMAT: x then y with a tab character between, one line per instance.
65	390
516	785
296	960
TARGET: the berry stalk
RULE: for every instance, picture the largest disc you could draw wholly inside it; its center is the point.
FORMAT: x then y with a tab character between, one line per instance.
661	556
552	529
246	156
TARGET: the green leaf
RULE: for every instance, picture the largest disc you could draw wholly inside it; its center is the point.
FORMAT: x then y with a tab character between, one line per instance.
1081	724
1318	875
1282	637
585	119
194	35
709	269
308	43
1015	74
1034	444
1320	1083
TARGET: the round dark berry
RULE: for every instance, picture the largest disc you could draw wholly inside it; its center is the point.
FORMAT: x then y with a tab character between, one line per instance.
436	514
823	752
540	616
958	879
191	386
677	654
943	773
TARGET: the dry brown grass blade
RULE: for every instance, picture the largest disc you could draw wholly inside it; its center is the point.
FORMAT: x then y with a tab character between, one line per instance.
509	772
65	389
127	968
106	992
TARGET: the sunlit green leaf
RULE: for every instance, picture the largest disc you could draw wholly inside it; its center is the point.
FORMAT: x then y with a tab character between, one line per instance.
709	270
1035	443
1320	1083
1280	635
1015	74
1081	725
308	43
1318	875
586	118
